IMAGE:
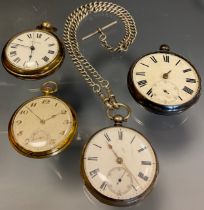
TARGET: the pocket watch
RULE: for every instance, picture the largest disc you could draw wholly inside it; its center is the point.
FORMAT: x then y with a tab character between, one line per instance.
33	54
164	82
43	126
118	165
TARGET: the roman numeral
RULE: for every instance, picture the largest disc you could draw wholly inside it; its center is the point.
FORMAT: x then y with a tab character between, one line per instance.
132	140
29	36
17	60
190	80
51	52
142	149
166	58
50	45
96	145
103	185
144	64
107	137
140	73
134	187
39	35
186	70
14	46
37	64
180	98
153	59
93	158
148	163
142	83
188	90
46	59
120	134
20	40
177	62
94	172
142	176
13	53
149	92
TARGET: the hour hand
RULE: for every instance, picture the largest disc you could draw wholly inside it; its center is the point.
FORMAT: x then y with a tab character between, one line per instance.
15	45
53	116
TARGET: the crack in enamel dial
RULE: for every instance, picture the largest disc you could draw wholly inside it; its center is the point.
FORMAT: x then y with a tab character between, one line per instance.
164	82
119	166
42	127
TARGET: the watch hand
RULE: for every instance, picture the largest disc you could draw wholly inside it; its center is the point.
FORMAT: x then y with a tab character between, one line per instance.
120	179
54	115
119	160
41	120
166	75
32	48
165	91
21	45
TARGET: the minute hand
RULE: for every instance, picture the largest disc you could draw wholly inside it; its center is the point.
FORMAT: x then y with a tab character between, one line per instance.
41	120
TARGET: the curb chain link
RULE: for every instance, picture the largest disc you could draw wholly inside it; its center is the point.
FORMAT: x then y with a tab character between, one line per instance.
99	85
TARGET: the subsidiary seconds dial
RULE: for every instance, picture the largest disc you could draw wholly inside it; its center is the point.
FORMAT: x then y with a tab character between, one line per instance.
164	82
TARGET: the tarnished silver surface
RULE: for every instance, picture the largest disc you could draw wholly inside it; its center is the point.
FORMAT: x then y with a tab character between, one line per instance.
55	183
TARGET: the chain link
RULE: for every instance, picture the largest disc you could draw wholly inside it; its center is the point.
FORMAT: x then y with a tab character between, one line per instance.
99	85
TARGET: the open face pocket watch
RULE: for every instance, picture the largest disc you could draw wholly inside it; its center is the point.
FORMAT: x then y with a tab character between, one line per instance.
42	126
33	54
119	166
164	82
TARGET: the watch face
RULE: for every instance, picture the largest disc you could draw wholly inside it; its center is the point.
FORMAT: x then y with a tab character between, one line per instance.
166	79
32	50
119	166
42	126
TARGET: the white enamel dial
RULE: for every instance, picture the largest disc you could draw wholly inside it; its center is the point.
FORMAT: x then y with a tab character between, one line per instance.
42	124
166	79
32	50
119	163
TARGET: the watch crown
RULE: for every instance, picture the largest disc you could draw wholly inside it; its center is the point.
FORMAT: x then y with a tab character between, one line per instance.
164	47
47	26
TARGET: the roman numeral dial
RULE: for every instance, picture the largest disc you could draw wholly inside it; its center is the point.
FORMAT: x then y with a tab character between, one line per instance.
165	79
119	163
32	50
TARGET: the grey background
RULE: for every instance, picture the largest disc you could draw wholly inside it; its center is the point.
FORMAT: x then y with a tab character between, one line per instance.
55	183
